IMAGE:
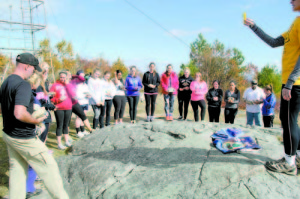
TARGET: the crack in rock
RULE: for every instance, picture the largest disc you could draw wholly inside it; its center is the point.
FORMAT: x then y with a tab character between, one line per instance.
201	171
273	176
132	140
150	139
249	191
176	135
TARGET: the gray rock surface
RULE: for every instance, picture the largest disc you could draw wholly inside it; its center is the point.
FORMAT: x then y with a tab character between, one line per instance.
172	160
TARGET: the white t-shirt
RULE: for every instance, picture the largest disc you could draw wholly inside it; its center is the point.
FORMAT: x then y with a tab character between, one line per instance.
254	95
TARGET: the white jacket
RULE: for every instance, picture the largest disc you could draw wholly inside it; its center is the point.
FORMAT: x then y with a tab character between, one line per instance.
81	92
110	90
97	91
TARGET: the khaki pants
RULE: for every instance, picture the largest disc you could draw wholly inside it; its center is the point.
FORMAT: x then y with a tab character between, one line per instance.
22	152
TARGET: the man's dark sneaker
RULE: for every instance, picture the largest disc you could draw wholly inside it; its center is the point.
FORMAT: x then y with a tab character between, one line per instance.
36	193
281	166
180	118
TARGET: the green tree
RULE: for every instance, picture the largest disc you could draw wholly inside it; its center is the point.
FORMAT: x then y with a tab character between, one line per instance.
270	75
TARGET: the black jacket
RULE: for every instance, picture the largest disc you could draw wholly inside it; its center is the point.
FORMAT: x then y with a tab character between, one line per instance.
185	82
46	103
149	78
214	93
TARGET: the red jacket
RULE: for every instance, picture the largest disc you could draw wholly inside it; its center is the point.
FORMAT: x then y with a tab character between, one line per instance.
62	100
165	82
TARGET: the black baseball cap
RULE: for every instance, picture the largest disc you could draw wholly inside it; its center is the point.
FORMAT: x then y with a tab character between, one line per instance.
28	58
254	82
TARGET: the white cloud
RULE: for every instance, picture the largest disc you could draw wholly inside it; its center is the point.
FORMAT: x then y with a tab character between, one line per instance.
182	33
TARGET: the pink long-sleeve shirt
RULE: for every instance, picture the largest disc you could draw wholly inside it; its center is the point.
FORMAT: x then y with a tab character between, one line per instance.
199	90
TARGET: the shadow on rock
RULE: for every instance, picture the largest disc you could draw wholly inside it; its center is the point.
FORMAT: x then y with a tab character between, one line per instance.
170	157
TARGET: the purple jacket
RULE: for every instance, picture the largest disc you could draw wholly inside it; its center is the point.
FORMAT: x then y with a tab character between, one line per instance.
133	85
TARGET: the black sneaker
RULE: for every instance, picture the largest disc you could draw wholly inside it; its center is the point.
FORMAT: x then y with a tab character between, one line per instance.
36	193
180	118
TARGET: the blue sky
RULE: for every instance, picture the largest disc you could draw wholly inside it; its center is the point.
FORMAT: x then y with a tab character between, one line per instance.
112	28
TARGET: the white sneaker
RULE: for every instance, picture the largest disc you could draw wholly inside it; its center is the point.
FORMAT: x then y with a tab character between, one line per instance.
68	144
61	147
85	133
80	134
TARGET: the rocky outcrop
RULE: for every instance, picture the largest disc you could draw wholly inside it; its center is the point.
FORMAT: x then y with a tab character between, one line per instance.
172	160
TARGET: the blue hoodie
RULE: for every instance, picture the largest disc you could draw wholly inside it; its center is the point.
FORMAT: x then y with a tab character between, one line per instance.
133	85
269	105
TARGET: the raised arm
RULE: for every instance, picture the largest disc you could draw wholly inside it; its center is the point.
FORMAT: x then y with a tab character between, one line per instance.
273	42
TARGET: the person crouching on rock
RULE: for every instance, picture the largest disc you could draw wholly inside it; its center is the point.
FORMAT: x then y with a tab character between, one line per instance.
133	84
214	99
269	107
63	113
151	81
170	85
97	100
232	100
199	90
184	93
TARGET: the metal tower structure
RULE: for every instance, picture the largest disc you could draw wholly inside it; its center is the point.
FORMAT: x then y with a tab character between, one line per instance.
19	35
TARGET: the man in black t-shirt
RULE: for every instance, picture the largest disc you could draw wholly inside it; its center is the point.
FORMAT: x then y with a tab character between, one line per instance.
24	147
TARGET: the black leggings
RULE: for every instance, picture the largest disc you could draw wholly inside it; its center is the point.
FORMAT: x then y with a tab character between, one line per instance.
268	121
43	136
63	118
214	113
230	114
202	105
108	104
184	99
76	108
289	111
119	104
150	101
133	103
99	112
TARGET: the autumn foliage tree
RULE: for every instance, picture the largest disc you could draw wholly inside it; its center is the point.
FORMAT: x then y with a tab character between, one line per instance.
119	65
215	62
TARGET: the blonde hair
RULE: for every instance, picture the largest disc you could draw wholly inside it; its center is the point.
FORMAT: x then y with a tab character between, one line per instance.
37	80
44	66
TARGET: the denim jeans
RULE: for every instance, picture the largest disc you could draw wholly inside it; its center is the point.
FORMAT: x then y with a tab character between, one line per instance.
169	104
253	116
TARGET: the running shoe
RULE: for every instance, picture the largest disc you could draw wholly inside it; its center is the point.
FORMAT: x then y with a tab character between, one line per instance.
80	134
180	118
167	118
68	144
61	147
298	162
171	118
281	166
36	193
148	119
